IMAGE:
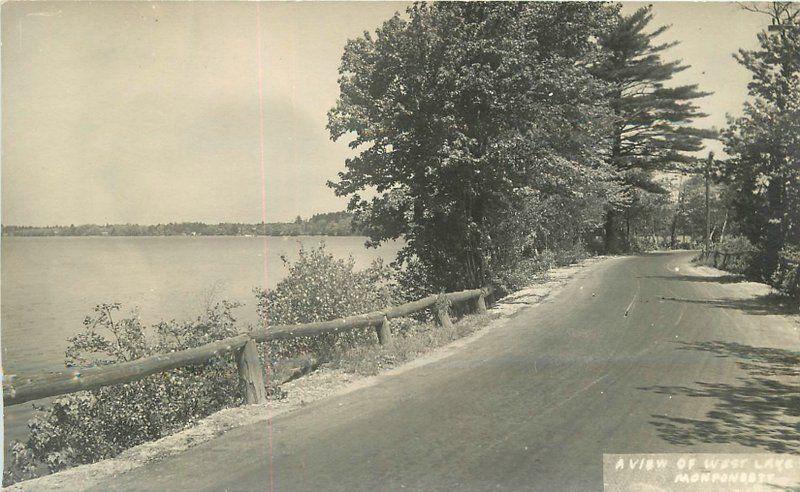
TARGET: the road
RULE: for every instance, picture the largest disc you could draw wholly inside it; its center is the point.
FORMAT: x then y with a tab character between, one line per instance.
635	354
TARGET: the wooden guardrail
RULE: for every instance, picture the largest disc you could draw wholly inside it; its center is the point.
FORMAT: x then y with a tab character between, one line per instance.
18	390
715	255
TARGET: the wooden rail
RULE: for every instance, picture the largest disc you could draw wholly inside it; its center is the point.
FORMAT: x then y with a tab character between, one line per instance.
715	255
18	390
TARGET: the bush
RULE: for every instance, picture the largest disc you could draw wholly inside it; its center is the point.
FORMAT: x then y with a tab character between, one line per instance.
569	255
413	282
786	277
747	261
89	426
319	287
528	271
640	244
735	244
734	254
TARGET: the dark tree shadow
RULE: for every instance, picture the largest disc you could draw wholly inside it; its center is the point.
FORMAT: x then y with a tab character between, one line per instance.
760	305
762	411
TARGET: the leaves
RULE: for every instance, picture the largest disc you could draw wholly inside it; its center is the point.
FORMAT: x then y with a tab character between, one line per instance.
89	426
651	128
458	106
765	142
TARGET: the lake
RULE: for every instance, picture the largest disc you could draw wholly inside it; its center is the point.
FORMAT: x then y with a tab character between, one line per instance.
49	284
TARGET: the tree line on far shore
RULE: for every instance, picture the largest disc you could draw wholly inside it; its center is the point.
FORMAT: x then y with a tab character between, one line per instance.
325	224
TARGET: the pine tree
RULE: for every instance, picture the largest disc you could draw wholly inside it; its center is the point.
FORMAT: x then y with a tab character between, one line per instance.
652	129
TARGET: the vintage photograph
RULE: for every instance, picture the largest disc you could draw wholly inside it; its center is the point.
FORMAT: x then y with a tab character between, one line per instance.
382	246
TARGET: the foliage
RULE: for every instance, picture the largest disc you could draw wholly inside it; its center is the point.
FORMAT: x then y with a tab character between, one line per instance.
765	142
532	270
747	260
735	244
690	210
786	277
743	258
735	254
462	114
651	129
93	425
320	287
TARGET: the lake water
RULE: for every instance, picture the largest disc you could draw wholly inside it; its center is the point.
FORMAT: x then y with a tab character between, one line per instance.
50	284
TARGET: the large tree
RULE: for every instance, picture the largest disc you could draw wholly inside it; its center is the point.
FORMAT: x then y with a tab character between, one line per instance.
765	142
652	129
464	112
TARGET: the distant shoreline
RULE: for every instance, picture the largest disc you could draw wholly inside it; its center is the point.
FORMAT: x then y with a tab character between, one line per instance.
183	235
328	224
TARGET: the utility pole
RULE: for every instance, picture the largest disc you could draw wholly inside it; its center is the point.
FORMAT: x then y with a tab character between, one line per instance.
708	208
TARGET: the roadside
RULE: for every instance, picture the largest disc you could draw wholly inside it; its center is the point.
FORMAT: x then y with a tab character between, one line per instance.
635	355
782	298
325	382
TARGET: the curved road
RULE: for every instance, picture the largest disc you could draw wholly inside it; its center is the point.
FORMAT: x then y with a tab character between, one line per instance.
636	354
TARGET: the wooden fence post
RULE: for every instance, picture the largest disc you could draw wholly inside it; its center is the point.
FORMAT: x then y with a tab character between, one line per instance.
442	312
250	373
480	303
384	332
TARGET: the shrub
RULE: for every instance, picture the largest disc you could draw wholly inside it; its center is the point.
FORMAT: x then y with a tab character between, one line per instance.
735	244
413	281
89	426
524	273
411	338
641	244
571	254
320	287
786	277
529	271
749	262
735	254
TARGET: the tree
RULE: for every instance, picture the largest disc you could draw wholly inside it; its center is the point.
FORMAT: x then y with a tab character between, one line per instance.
461	113
652	121
765	142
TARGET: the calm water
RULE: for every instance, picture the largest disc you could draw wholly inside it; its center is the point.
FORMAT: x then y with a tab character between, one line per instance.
50	284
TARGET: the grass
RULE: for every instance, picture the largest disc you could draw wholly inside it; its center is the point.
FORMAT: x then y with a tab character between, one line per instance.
410	339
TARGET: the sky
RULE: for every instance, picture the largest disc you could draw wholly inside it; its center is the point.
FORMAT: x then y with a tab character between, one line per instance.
149	112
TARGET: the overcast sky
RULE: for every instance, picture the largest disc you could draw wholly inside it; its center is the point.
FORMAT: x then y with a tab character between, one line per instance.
148	112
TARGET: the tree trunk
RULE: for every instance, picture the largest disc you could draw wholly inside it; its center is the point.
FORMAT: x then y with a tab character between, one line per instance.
673	229
611	233
774	230
627	243
724	226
